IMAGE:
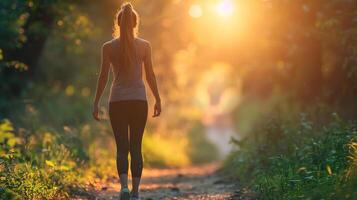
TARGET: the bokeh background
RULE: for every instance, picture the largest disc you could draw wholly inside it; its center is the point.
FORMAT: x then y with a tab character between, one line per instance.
261	78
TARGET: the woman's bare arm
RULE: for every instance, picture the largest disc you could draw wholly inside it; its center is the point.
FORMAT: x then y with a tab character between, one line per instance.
151	79
102	79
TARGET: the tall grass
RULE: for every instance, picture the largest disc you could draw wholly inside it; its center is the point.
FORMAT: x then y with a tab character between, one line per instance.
35	166
298	156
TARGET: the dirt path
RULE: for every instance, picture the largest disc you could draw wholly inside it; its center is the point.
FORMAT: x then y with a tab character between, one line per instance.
197	182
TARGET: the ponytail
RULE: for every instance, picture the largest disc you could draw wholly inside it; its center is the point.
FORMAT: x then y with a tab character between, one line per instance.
127	21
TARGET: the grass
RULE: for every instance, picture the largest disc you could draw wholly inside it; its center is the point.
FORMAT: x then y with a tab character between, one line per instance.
35	169
298	156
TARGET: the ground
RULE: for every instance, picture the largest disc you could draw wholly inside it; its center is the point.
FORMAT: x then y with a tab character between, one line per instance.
195	182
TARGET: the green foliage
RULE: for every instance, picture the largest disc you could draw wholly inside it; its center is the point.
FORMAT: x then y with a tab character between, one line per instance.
38	168
11	21
28	29
290	157
200	150
7	139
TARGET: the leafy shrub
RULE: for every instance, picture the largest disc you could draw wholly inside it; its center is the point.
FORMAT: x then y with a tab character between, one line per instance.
290	157
38	169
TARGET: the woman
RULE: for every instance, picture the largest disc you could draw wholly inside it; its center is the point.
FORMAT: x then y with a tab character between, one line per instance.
127	102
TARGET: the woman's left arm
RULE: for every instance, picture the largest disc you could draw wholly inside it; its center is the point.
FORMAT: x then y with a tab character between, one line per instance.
102	79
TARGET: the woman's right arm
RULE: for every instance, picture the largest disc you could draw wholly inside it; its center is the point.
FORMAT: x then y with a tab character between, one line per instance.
102	79
151	80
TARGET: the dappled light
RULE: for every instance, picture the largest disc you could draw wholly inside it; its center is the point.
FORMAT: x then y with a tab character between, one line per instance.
258	99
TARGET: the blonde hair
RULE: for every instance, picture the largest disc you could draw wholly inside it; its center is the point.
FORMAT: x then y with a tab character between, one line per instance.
116	27
125	27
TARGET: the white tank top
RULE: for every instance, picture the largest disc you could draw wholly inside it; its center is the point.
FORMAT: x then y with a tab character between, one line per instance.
126	86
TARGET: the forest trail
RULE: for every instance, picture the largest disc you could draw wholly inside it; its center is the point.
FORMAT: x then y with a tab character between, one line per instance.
195	182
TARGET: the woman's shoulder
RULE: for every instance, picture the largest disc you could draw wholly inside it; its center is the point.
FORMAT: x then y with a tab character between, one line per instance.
108	43
106	47
143	41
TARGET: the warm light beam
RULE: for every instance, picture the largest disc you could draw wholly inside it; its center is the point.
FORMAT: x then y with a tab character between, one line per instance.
195	11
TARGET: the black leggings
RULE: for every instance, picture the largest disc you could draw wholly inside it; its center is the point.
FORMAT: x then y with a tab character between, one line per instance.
124	116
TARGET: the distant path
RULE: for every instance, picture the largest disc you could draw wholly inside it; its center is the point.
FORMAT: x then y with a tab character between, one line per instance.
196	182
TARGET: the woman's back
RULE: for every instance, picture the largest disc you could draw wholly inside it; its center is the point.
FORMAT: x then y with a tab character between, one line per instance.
127	82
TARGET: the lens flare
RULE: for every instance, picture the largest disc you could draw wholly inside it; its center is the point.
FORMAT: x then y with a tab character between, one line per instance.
225	8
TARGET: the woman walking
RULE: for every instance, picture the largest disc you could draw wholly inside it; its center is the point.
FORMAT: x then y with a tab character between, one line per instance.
128	107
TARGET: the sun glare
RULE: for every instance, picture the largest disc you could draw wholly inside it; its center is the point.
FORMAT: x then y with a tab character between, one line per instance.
195	11
225	8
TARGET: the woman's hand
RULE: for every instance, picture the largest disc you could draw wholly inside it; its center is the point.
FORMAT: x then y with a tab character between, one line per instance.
95	112
157	109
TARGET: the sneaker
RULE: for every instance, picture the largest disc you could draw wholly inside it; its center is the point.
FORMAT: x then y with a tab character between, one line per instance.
124	194
134	196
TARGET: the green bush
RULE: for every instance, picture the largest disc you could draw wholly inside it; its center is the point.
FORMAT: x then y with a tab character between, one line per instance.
200	149
38	168
294	157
